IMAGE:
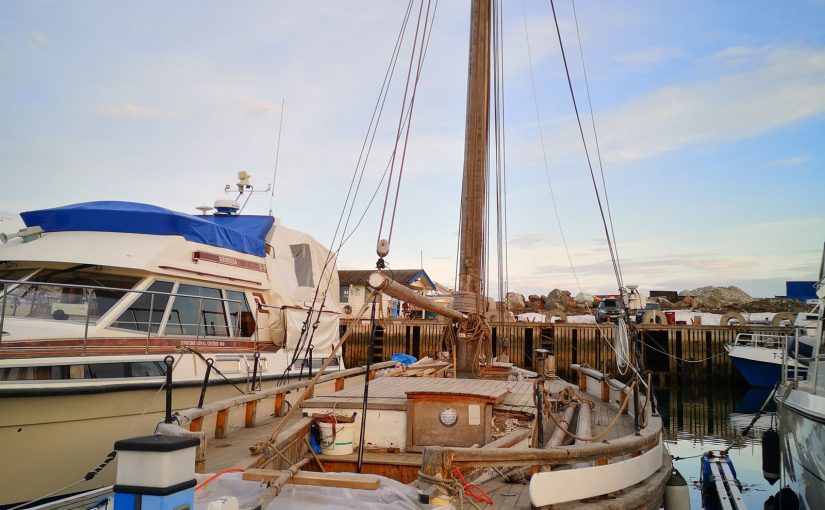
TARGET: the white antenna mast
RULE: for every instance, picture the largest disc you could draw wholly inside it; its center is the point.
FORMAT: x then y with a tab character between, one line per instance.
277	153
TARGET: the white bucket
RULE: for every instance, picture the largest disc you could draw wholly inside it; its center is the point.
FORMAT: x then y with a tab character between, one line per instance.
342	442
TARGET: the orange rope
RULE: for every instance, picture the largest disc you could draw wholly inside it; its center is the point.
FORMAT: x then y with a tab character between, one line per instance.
219	473
468	489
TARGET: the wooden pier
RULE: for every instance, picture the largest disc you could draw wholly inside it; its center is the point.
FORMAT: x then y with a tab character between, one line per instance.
667	350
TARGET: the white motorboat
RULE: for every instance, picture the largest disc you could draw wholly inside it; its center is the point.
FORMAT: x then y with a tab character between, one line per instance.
759	357
802	419
100	299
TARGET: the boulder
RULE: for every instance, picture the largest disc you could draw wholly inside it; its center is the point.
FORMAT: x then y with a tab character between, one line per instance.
730	294
536	302
515	301
559	299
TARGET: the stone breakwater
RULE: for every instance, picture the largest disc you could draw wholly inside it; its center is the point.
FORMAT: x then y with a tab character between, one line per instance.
704	299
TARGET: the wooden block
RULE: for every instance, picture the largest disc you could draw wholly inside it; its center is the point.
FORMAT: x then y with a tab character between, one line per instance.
335	480
279	404
339	384
220	423
249	418
196	425
261	475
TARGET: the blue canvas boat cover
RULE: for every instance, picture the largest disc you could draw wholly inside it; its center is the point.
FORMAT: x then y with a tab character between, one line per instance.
246	234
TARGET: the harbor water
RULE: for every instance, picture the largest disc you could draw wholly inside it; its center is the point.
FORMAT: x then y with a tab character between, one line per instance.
703	415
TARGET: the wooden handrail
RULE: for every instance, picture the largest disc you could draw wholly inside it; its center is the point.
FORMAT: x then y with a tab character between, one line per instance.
193	413
441	459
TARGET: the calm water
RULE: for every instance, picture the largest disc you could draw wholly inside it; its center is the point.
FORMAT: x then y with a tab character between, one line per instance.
703	416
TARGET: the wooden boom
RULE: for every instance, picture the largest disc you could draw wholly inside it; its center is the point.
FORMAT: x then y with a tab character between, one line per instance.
380	282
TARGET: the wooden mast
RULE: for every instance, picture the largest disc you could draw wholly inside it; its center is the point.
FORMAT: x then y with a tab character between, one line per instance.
470	297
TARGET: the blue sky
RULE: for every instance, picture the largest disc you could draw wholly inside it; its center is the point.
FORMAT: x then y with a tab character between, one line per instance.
710	115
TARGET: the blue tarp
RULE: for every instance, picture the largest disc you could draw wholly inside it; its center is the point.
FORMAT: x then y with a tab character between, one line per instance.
246	234
404	359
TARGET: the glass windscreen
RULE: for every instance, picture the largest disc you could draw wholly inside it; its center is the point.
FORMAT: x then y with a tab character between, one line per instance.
147	310
239	309
68	294
194	313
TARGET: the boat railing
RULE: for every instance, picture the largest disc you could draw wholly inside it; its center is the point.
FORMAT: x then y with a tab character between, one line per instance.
442	461
85	296
246	411
763	340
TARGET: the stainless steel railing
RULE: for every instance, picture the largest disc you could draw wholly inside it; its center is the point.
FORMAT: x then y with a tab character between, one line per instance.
235	329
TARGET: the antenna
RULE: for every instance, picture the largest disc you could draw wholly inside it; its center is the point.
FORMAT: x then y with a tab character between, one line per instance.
277	153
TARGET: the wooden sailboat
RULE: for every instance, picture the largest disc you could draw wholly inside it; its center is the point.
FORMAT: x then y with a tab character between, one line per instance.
435	433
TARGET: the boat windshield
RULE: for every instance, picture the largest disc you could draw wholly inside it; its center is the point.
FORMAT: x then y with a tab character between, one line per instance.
66	294
14	274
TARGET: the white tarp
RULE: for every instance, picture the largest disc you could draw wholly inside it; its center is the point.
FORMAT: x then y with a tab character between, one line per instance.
391	495
301	276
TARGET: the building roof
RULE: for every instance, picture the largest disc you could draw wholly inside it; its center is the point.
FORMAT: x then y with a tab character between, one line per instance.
406	277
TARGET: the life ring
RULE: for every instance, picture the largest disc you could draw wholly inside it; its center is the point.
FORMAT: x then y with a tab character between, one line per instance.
555	312
726	318
654	317
782	316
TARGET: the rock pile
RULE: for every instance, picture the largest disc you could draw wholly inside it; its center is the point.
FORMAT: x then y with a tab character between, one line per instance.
705	299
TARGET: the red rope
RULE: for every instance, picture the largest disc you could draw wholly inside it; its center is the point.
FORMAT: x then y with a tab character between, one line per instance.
468	489
219	473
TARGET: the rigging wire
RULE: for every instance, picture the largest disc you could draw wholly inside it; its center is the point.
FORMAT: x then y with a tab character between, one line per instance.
602	333
498	115
587	153
362	162
404	128
596	137
355	181
277	154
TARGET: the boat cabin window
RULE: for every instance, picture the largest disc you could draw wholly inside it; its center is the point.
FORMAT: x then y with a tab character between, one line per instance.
68	294
303	264
197	311
13	274
115	370
239	309
138	318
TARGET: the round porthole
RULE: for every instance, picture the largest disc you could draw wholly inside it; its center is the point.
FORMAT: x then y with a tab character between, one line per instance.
448	416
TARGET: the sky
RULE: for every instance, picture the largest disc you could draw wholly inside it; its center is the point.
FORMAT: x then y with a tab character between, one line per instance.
710	119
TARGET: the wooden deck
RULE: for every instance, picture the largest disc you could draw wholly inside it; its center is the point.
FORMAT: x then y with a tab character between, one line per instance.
391	393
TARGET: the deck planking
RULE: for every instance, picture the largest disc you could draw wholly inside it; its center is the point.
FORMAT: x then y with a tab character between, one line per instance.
391	392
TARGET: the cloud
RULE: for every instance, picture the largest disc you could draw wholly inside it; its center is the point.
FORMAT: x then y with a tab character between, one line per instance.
260	107
42	40
528	240
780	87
649	56
793	161
133	110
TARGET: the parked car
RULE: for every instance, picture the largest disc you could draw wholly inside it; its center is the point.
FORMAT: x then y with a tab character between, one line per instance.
609	310
640	313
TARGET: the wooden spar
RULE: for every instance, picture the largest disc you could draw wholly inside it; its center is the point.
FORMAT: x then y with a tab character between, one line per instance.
379	281
474	186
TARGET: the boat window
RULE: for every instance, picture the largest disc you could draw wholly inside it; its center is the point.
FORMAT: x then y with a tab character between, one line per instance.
195	315
344	294
68	294
13	274
116	370
303	264
236	310
137	318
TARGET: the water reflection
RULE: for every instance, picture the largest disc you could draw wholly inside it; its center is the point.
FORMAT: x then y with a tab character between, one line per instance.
700	417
